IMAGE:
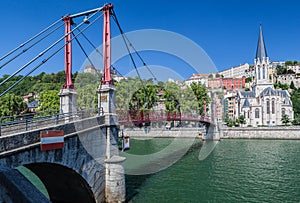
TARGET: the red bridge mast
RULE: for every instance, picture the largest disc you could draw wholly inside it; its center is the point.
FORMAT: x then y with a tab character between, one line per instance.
107	80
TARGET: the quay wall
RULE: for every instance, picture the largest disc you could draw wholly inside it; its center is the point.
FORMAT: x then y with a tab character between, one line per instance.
163	133
276	132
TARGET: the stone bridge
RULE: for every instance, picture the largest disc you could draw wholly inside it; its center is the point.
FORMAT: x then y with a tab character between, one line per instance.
79	172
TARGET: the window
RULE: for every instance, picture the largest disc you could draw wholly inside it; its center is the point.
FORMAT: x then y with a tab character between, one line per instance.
283	111
268	106
256	113
273	106
258	74
264	70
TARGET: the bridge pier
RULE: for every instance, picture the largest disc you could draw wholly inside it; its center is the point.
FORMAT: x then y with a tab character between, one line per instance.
68	103
114	168
213	132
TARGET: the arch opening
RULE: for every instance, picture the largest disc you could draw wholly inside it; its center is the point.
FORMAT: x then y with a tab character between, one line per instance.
63	184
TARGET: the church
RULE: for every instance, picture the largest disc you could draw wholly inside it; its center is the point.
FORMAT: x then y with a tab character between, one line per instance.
264	105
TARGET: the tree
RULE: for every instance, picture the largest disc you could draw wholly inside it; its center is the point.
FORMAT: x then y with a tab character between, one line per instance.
249	79
11	105
201	95
292	85
49	101
285	119
280	70
242	120
87	97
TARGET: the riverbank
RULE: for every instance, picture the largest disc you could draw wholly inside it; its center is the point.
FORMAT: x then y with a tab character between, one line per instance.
275	132
163	133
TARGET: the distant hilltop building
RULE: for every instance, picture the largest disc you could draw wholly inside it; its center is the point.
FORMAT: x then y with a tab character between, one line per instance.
198	78
264	105
215	81
237	71
92	69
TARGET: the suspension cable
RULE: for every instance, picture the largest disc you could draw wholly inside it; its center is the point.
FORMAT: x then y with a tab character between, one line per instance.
26	49
45	50
29	40
97	50
130	44
128	50
82	49
45	60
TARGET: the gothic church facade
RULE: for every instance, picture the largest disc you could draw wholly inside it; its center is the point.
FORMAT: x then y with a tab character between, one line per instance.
264	105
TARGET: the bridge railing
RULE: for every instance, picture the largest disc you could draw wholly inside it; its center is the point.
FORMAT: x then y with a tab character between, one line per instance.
26	122
138	116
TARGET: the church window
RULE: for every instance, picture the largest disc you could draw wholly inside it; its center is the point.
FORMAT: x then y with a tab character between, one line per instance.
283	111
256	113
258	73
268	106
257	100
264	70
248	114
273	106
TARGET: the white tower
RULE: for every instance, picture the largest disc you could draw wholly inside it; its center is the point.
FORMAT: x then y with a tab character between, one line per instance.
262	65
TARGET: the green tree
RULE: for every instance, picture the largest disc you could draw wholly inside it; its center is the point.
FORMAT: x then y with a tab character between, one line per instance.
201	95
87	97
11	105
280	70
285	119
242	120
49	101
249	79
292	85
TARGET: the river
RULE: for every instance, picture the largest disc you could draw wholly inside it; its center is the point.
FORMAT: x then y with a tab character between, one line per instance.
235	171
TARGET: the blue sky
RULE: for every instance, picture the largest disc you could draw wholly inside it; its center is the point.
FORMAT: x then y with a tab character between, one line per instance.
226	30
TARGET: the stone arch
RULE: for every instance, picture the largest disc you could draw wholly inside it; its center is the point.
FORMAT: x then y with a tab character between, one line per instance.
62	183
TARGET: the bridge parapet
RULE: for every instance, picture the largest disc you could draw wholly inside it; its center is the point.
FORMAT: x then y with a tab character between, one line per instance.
32	121
31	138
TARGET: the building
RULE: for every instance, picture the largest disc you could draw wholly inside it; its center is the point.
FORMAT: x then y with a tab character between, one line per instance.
235	72
264	105
92	69
198	78
287	79
227	83
230	105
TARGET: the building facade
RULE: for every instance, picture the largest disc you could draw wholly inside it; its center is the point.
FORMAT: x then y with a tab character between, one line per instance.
264	105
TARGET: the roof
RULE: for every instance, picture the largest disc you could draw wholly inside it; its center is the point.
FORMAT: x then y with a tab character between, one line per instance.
248	94
261	51
246	103
272	92
268	92
33	104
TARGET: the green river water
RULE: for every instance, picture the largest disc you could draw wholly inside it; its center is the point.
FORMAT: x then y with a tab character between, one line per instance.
235	171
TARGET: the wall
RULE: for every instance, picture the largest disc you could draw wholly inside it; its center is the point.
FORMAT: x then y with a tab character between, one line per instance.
84	152
282	132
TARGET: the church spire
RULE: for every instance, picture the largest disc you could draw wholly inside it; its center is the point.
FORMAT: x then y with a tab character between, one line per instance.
261	48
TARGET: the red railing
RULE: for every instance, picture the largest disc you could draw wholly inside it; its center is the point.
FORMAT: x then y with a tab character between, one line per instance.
138	117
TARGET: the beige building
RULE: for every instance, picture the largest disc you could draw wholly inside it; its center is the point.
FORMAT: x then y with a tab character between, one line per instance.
198	78
263	105
236	72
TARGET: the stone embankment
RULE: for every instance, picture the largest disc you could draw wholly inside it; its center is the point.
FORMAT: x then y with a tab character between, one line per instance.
275	132
163	133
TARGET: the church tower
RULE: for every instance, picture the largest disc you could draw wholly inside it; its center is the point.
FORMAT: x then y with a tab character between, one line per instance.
262	65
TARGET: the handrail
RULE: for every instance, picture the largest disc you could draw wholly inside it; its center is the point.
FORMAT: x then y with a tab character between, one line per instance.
30	123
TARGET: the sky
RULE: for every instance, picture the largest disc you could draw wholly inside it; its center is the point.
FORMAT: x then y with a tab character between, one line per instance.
226	30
